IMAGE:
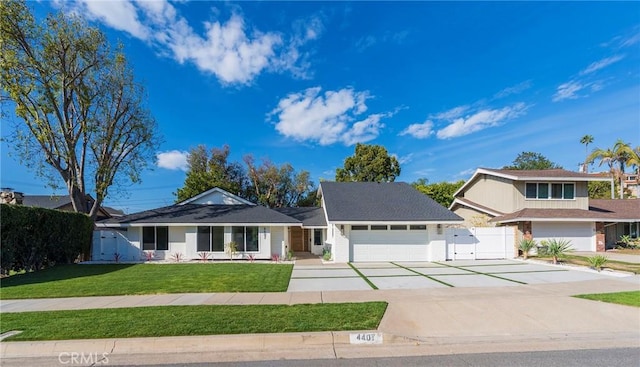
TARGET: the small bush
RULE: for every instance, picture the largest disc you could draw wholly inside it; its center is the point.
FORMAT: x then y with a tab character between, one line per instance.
597	261
525	246
558	249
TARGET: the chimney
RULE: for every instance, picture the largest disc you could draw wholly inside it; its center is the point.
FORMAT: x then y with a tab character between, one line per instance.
9	196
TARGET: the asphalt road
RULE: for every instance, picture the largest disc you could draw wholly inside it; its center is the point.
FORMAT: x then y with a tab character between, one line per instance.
567	358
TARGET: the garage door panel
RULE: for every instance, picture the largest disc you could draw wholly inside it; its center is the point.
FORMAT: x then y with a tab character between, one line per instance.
389	245
580	234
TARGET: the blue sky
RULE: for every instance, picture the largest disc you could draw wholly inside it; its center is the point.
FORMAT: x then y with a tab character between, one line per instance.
446	87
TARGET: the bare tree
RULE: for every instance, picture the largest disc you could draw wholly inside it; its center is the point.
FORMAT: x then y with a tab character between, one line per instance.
82	113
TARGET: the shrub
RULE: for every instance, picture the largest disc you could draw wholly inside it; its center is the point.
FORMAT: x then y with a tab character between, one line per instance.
597	261
204	256
251	257
525	246
177	257
32	238
275	258
558	249
149	255
326	256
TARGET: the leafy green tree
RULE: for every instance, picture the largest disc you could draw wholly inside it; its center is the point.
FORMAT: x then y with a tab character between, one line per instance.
275	187
208	171
531	161
370	163
599	189
442	192
586	140
82	115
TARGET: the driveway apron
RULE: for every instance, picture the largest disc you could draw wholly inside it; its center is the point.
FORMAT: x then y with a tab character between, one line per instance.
423	275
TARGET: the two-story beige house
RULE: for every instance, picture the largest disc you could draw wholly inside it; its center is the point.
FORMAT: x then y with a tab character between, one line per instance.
546	204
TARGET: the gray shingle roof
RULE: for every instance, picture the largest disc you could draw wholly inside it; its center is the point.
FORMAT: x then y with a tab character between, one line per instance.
384	202
198	213
309	216
599	210
46	201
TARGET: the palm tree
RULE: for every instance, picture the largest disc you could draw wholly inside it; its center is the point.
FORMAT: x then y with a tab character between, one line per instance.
586	140
621	154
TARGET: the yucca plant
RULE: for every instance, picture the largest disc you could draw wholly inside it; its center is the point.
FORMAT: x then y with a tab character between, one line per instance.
526	244
558	249
597	261
232	249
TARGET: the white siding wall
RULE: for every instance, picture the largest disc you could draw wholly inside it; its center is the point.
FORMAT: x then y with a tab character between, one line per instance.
277	240
437	248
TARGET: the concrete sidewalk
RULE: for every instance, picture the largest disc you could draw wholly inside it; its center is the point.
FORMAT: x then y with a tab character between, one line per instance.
417	322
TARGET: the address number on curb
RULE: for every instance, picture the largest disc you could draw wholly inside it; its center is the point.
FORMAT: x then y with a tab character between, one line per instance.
366	338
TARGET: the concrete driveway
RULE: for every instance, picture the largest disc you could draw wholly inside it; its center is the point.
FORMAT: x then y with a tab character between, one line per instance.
420	275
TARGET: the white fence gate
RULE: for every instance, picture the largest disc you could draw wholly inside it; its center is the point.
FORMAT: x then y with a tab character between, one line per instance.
108	243
481	243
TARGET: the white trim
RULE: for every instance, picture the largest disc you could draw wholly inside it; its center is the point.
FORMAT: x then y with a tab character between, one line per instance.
215	189
525	219
109	225
490	212
398	222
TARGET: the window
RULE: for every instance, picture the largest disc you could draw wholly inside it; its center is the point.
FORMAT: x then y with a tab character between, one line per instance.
210	239
155	238
418	227
398	227
246	238
544	190
317	236
359	228
378	227
569	191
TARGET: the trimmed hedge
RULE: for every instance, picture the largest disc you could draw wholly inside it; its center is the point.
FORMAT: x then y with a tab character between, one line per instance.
33	238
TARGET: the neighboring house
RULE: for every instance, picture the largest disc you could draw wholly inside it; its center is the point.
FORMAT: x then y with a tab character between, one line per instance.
358	221
631	184
547	204
63	202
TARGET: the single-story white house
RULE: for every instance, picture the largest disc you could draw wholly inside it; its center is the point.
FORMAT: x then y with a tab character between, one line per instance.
357	221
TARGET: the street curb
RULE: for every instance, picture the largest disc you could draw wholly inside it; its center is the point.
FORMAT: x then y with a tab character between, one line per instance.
189	344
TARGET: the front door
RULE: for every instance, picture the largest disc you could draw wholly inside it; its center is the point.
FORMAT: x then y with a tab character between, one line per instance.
296	239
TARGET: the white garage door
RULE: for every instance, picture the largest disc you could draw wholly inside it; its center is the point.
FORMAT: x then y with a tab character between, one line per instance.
389	245
581	235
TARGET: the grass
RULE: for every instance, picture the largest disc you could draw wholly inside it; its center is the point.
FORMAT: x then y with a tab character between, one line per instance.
622	298
611	264
192	320
123	279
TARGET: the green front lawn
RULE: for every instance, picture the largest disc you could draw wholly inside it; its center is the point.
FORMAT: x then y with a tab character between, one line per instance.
192	320
122	279
623	298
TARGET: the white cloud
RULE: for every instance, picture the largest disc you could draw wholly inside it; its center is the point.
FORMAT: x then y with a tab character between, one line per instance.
404	159
419	131
601	64
232	51
452	113
515	89
481	120
327	118
121	15
173	160
568	90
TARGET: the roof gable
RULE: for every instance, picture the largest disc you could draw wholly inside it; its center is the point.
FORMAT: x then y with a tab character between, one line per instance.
383	202
532	175
216	196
